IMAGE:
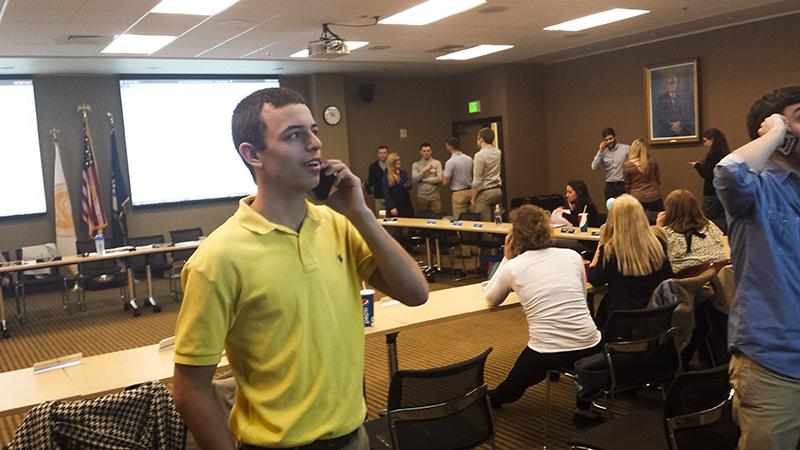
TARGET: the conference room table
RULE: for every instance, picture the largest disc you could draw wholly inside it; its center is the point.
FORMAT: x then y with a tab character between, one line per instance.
120	253
469	226
110	372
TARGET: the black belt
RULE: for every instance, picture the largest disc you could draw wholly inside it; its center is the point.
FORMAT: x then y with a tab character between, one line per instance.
615	182
459	190
320	444
493	187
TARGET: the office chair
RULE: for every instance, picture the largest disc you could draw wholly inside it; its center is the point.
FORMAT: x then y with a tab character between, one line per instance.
444	408
97	275
180	257
38	282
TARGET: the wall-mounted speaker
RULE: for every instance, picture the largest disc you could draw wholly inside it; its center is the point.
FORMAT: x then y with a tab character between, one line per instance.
366	92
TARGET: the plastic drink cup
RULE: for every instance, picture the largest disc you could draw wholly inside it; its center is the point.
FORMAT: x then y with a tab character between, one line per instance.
584	222
382	214
368	306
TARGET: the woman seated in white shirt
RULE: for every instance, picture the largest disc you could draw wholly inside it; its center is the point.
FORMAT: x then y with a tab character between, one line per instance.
692	239
551	286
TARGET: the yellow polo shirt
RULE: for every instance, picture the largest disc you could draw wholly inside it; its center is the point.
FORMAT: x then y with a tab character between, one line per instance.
286	308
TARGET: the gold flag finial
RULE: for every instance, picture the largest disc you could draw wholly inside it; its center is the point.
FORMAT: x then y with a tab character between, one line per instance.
54	132
110	118
84	108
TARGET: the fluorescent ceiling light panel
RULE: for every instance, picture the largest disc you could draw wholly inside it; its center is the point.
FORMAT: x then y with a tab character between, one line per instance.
192	7
595	20
430	12
475	52
351	45
138	43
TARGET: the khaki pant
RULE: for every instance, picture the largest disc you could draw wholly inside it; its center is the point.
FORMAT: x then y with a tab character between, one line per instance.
460	201
380	204
766	406
485	201
433	204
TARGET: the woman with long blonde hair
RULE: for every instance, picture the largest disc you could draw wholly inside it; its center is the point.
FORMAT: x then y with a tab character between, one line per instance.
396	188
642	177
631	259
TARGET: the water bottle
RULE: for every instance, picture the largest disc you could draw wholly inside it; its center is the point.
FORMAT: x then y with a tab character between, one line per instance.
100	243
498	216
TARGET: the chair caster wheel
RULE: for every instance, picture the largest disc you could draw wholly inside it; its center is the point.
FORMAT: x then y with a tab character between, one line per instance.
5	333
126	307
430	278
156	309
136	312
82	308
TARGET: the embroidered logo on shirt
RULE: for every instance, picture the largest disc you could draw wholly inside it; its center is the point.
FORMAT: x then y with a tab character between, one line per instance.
341	260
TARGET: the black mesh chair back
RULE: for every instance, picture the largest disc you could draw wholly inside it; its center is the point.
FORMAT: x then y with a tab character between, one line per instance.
516	202
467	237
697	412
185	235
461	423
640	348
95	268
158	261
413	388
548	202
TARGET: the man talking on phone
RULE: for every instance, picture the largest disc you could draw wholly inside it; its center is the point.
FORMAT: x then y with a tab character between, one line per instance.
277	287
611	155
758	186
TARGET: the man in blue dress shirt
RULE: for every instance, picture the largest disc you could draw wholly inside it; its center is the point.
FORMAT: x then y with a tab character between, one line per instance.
758	185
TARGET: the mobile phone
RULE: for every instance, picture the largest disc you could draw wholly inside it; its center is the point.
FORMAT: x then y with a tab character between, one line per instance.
323	189
789	144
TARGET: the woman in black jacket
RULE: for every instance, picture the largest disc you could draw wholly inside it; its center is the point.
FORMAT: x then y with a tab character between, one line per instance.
717	146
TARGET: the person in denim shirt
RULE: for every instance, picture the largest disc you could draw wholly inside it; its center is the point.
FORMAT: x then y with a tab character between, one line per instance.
758	187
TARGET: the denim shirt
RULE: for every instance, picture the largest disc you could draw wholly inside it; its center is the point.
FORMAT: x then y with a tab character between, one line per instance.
763	212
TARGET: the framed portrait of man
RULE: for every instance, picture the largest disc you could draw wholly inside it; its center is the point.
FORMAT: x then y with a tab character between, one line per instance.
673	104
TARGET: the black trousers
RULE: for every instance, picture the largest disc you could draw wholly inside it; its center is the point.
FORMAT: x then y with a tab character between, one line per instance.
614	189
654	206
531	368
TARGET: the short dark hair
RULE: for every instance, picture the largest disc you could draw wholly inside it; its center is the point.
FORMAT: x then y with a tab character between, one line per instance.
487	135
453	142
608	131
383	146
424	144
769	104
246	122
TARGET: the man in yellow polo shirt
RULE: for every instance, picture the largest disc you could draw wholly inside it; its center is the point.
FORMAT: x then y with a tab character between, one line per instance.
277	287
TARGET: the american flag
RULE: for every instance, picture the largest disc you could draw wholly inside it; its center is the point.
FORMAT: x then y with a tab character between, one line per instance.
91	206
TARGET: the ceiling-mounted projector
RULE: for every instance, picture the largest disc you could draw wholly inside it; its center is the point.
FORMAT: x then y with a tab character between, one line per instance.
329	45
327	48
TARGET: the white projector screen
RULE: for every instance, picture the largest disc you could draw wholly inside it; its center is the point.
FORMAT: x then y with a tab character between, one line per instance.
19	150
178	138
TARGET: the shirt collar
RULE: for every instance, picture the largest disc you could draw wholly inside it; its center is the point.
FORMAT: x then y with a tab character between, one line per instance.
251	220
778	171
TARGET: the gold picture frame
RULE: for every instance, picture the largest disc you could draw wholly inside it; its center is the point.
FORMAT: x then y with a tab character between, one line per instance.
673	102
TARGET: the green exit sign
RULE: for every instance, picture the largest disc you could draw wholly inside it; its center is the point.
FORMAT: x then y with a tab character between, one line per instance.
474	106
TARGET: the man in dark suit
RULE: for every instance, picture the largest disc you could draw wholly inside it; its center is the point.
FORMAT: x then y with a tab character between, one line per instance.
374	183
673	112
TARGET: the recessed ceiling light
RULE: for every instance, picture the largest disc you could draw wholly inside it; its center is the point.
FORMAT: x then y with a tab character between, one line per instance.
595	20
233	23
192	7
6	67
493	9
278	69
351	45
475	52
430	12
138	43
153	67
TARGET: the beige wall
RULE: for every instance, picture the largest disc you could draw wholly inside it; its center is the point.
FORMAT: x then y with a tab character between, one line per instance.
736	66
418	105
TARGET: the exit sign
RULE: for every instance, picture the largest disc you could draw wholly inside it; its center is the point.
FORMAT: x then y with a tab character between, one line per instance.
474	106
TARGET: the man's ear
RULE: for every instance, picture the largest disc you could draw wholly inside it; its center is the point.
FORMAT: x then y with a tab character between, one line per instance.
250	155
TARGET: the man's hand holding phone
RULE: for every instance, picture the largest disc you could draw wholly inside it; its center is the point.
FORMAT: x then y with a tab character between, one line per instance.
349	196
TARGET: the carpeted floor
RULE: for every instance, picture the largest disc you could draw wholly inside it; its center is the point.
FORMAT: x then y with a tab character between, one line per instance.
50	332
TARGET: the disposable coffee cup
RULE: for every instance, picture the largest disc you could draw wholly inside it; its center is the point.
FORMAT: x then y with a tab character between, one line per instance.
382	214
584	222
368	307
